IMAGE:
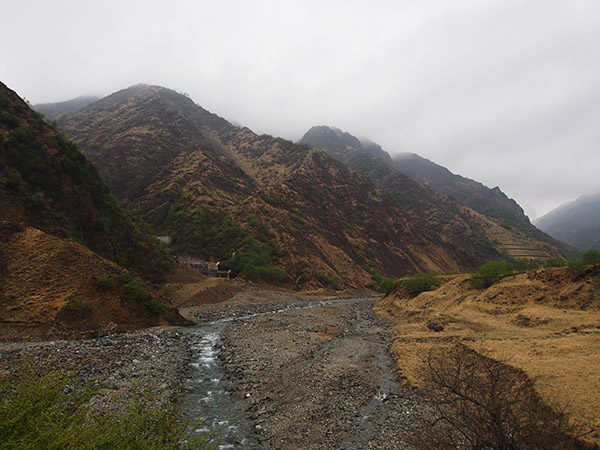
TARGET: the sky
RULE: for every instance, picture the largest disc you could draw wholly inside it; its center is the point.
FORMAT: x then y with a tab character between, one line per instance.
506	92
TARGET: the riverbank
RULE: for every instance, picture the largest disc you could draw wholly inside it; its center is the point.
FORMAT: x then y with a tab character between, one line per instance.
153	360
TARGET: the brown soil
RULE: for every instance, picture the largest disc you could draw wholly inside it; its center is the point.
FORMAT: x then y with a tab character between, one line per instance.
49	290
546	323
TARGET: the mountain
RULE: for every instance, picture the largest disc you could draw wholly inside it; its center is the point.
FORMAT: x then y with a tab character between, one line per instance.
577	223
500	219
492	203
273	208
60	229
52	111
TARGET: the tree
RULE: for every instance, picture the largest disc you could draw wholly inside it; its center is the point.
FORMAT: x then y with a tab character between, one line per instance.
482	403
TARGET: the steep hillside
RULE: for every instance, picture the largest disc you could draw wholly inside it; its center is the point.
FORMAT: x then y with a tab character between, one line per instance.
577	223
546	323
219	190
490	202
465	222
47	183
60	228
52	111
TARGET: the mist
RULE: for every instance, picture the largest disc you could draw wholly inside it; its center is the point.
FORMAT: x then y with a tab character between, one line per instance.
503	92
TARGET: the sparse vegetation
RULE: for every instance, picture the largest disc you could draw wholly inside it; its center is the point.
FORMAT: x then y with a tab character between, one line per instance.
420	282
381	283
51	411
79	306
328	280
576	266
133	291
555	263
492	271
591	257
105	283
158	307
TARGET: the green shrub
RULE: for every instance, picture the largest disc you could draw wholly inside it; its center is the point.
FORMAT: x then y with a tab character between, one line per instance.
555	262
158	307
105	283
591	257
420	282
168	292
304	278
134	291
387	285
10	119
382	284
524	265
13	181
51	411
576	266
124	277
329	280
296	217
490	273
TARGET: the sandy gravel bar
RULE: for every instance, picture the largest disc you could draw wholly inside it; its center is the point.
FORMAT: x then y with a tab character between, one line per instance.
320	378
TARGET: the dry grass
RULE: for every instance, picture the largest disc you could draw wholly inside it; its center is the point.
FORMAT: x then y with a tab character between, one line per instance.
546	324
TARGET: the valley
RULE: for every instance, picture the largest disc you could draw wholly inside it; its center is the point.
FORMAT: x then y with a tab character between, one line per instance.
314	374
299	349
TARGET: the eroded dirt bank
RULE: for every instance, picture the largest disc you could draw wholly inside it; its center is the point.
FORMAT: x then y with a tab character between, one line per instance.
319	378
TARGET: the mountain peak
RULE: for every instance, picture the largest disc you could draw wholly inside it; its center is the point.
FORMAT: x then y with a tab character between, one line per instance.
337	141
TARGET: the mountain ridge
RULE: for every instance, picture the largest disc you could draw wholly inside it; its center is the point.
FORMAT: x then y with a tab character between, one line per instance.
210	171
510	228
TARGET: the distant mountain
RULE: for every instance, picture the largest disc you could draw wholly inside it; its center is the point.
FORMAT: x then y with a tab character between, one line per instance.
53	111
265	203
60	228
506	225
577	223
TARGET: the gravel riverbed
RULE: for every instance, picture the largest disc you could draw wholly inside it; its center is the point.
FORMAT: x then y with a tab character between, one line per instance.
309	376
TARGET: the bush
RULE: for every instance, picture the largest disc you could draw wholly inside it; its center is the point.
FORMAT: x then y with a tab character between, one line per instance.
105	283
481	403
490	273
420	282
134	291
328	280
591	257
50	411
158	307
555	262
124	277
576	266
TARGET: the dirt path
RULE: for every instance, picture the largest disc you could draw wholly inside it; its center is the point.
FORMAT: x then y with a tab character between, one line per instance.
319	378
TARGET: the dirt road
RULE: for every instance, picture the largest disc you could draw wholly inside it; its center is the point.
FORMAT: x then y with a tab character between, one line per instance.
319	378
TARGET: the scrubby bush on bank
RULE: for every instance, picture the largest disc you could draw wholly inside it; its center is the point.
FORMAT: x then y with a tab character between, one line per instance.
420	282
50	411
481	403
493	271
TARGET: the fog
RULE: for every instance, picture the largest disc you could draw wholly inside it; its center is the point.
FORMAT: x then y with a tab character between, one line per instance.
505	92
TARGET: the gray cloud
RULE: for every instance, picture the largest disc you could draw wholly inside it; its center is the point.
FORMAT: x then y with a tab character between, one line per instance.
502	91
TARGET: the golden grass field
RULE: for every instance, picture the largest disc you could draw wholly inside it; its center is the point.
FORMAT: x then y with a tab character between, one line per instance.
546	323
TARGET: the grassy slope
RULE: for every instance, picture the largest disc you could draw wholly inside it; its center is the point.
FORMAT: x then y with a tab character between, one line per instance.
547	323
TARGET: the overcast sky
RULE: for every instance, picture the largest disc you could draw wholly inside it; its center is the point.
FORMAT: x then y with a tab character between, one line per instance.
506	92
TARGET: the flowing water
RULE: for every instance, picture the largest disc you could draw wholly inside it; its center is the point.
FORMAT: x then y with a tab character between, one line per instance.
206	394
207	397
